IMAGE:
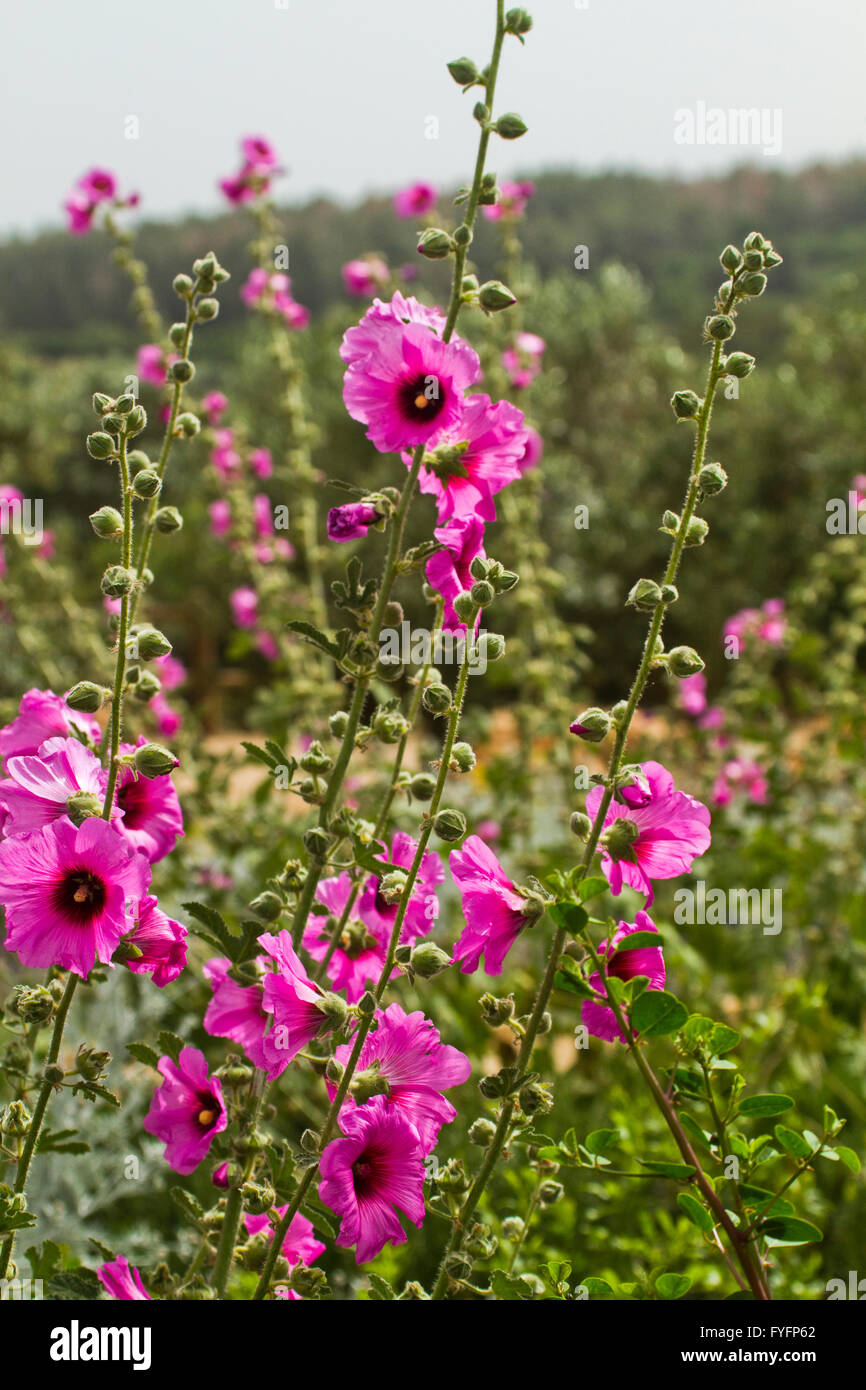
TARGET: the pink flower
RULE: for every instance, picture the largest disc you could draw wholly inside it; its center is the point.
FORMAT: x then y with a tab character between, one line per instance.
489	830
168	720
245	606
364	339
423	906
489	440
293	1000
350	522
258	153
767	623
67	892
41	715
261	463
415	201
362	278
522	362
99	185
150	364
237	1012
360	956
79	213
224	456
448	570
693	694
375	1169
238	190
187	1110
658	834
299	1246
213	406
161	941
741	775
220	514
122	1280
152	817
412	388
645	960
407	1051
267	645
494	910
38	787
513	198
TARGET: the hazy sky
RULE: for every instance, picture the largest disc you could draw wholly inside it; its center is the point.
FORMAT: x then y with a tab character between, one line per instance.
345	89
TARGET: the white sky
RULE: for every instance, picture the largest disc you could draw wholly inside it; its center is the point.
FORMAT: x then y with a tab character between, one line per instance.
344	89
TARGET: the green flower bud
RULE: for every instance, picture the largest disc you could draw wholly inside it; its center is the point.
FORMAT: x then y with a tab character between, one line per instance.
152	760
535	1098
15	1119
491	645
752	285
697	531
338	723
517	22
152	644
102	404
182	370
719	327
482	593
182	286
463	235
428	960
593	725
81	805
670	593
739	364
618	713
86	697
550	1192
670	522
479	567
268	906
53	1074
389	726
168	519
146	686
317	841
124	404
754	260
754	241
117	581
91	1063
580	825
367	1004
481	1132
107	523
504	581
513	1228
101	445
114	422
493	1087
177	333
712	478
258	1197
449	825
684	661
462	758
731	259
422	786
436	698
463	70
685	404
495	1011
32	1003
435	244
493	295
645	594
481	113
207	309
511	126
772	259
189	424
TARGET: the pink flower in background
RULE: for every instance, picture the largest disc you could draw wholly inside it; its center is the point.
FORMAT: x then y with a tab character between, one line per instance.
741	776
415	201
522	361
375	1169
38	786
292	998
224	456
692	694
258	153
122	1280
350	521
418	1067
99	185
261	463
264	289
767	623
488	830
95	187
299	1246
214	406
152	817
187	1110
168	720
362	278
360	956
161	941
625	965
364	339
448	570
494	910
253	178
237	1012
245	607
79	213
423	906
658	834
41	715
513	198
490	441
150	364
67	892
412	389
267	645
220	514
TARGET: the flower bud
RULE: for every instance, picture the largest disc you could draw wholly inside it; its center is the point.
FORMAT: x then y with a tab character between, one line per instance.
463	70
117	581
580	825
510	126
316	759
91	1063
645	594
754	260
188	424
338	723
495	1011
719	327
367	1005
152	760
101	445
550	1193
182	286
684	661
183	370
86	697
712	479
435	244
752	285
513	1228
32	1003
739	364
168	519
670	593
428	960
102	404
136	420
107	523
518	22
334	1008
81	805
207	309
422	786
177	333
731	259
772	259
491	645
482	593
436	698
535	1098
481	1132
389	726
146	686
449	825
258	1197
15	1119
685	404
696	531
152	644
593	725
267	905
463	237
493	295
462	758
317	841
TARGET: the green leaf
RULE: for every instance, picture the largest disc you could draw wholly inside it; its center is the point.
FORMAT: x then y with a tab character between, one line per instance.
668	1170
789	1230
765	1105
759	1197
792	1142
61	1141
218	932
569	978
697	1214
639	940
143	1052
591	888
596	1288
569	916
848	1157
259	755
723	1038
189	1205
78	1284
45	1258
656	1013
672	1285
322	1224
92	1090
380	1289
510	1288
694	1130
171	1044
600	1140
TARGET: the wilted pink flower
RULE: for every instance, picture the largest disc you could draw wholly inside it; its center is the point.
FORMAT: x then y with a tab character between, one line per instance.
350	521
362	278
150	364
415	201
692	694
161	941
214	405
261	463
407	1051
513	198
375	1169
489	441
220	514
522	361
41	715
122	1281
67	892
152	817
38	786
625	965
658	834
245	606
494	910
448	570
299	1246
187	1110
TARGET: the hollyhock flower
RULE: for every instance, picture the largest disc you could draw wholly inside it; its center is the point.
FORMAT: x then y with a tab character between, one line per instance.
480	455
740	775
267	645
46	547
292	998
773	626
644	960
360	956
150	364
224	456
532	452
258	153
448	570
415	201
220	1176
122	1281
362	278
522	362
261	463
495	911
365	339
238	190
41	715
161	941
214	405
489	830
99	185
692	694
513	198
168	720
38	787
67	891
171	671
245	606
299	1246
187	1110
220	514
412	389
659	838
297	315
407	1051
152	817
375	1169
423	906
237	1012
350	522
258	282
79	213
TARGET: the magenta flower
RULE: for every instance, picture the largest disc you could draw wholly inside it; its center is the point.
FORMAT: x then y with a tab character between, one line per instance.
350	521
214	405
522	361
220	514
152	818
415	201
292	998
423	906
68	893
122	1281
362	278
161	941
625	964
258	153
99	185
150	364
37	788
375	1169
360	955
187	1110
299	1246
738	776
407	1051
513	198
245	606
489	441
448	570
658	834
366	338
766	623
693	694
237	1012
494	910
41	715
261	463
168	720
412	389
79	213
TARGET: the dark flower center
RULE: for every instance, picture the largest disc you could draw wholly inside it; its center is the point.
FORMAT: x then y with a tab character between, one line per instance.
80	896
208	1111
132	799
366	1170
421	397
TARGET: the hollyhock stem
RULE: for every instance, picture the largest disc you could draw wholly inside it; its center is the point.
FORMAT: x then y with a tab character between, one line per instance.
144	304
122	636
530	1212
